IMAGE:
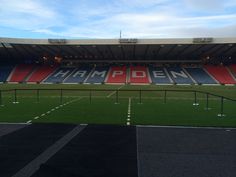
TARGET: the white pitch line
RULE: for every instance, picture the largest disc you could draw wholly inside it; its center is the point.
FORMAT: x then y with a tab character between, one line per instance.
112	93
53	109
129	112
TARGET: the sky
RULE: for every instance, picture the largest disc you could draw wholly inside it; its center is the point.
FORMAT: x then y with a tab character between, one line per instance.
88	19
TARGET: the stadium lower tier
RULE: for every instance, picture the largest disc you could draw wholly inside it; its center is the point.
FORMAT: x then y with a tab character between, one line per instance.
119	74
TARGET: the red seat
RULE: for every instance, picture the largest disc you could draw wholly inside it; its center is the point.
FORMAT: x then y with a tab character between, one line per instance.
21	72
221	74
139	74
117	74
233	68
41	73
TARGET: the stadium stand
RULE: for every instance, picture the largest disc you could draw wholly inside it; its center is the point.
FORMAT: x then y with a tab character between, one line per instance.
159	76
117	74
41	72
59	75
233	69
139	74
5	72
221	74
179	76
200	76
79	75
21	72
98	75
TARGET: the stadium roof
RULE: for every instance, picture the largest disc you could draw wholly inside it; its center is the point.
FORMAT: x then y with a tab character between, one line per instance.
188	49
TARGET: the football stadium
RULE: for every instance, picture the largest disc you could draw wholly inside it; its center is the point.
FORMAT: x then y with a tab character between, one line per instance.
113	94
117	88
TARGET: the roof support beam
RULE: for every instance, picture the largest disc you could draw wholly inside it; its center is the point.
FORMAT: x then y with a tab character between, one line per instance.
170	51
46	50
75	50
19	53
146	51
122	51
100	53
229	49
31	52
134	52
88	51
182	51
111	52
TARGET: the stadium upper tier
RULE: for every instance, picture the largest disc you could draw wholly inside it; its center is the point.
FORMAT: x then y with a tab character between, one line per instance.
133	74
192	50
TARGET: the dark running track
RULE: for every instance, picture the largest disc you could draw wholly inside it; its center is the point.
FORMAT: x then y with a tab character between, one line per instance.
64	150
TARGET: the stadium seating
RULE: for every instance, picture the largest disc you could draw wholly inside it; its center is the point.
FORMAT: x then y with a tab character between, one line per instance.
139	75
200	76
98	75
60	75
159	76
117	74
233	69
79	75
221	74
5	72
41	73
21	72
179	76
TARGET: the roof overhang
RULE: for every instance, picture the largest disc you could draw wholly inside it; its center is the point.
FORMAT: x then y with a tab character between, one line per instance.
117	41
118	50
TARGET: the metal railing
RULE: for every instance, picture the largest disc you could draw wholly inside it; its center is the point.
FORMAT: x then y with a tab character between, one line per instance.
140	93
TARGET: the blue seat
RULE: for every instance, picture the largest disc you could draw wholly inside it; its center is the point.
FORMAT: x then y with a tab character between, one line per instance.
158	75
200	75
98	75
59	75
5	72
79	75
178	75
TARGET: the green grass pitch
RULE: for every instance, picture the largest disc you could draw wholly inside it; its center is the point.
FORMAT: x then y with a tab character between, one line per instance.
102	107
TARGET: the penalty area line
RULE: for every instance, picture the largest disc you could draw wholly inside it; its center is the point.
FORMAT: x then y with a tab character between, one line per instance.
112	93
53	109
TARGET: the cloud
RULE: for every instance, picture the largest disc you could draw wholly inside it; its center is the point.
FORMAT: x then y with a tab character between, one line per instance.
26	14
151	25
205	4
142	3
209	6
27	7
105	18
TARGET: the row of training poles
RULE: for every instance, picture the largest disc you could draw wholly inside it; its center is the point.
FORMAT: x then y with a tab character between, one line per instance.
221	114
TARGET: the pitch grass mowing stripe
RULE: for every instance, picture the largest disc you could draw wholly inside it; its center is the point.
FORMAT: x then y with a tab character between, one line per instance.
53	109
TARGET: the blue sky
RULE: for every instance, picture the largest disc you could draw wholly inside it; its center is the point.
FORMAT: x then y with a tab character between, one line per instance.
105	18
